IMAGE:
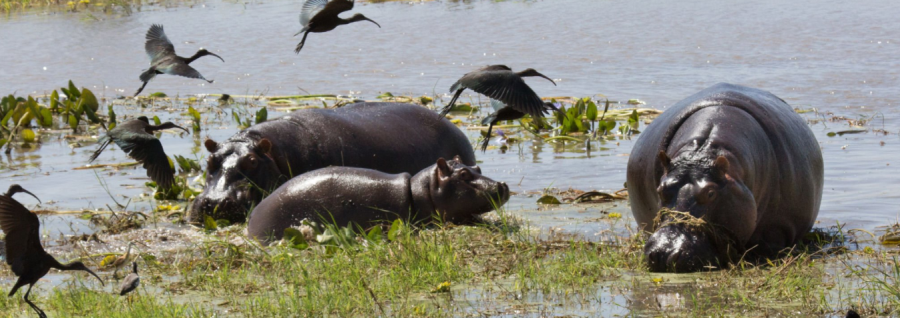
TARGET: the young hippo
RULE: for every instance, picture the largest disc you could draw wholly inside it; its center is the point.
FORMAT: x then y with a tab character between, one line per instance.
448	190
389	137
742	166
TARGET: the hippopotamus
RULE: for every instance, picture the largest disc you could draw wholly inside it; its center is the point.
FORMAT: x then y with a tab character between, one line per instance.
736	159
388	137
447	190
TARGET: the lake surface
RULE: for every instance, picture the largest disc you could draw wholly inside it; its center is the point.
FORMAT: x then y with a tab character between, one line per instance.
838	57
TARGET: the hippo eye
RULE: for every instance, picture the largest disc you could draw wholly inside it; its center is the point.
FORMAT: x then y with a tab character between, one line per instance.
465	175
711	195
250	163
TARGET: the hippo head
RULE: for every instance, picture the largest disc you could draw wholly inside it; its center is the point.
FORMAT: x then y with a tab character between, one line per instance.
238	174
459	192
716	214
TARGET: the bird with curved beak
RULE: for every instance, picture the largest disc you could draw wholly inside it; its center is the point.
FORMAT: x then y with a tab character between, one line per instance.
24	252
499	82
322	16
164	61
136	138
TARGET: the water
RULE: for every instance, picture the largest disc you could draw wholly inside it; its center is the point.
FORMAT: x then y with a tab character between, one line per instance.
839	57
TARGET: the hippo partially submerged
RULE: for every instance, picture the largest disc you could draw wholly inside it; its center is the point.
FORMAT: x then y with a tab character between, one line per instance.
448	190
388	137
744	168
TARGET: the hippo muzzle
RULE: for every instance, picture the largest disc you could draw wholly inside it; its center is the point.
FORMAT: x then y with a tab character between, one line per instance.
675	248
232	204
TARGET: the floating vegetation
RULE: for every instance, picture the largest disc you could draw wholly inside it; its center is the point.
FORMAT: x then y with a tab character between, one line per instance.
115	223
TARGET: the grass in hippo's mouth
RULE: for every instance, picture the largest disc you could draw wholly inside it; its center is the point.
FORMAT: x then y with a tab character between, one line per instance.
470	270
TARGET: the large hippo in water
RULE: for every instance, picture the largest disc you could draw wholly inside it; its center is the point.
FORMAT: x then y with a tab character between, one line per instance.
388	137
738	159
448	190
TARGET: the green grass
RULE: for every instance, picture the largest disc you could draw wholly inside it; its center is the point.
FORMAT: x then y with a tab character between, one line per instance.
489	270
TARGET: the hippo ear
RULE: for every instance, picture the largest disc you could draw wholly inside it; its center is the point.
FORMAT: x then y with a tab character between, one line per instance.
664	160
211	145
443	170
721	165
264	145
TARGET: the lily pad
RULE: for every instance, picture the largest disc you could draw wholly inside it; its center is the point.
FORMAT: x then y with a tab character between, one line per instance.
548	199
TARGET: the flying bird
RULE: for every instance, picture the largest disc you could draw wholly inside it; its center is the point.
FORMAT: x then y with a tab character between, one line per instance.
131	281
322	16
499	82
24	252
164	61
136	138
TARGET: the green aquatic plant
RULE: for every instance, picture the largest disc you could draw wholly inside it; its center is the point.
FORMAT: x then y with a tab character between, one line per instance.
262	115
187	165
195	118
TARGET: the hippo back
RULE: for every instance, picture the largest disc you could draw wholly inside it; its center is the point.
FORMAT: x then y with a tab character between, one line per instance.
388	137
798	158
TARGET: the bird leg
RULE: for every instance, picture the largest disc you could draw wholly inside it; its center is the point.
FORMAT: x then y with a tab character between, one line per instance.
140	89
33	306
103	145
487	139
300	46
447	107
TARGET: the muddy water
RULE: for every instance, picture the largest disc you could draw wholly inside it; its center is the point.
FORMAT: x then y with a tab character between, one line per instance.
839	57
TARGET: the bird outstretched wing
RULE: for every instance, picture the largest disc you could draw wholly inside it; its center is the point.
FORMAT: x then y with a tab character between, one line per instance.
309	9
147	150
158	45
505	86
181	69
321	8
21	228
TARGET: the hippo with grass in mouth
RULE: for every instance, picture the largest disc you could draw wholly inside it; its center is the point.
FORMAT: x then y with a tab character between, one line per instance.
388	137
728	172
447	190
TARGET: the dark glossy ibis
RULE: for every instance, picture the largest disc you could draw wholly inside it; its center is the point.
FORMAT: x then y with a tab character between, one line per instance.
135	137
164	61
322	16
501	83
504	112
24	253
131	281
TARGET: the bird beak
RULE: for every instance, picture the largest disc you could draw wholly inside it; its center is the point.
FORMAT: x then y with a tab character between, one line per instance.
95	275
32	194
182	128
214	54
542	75
373	21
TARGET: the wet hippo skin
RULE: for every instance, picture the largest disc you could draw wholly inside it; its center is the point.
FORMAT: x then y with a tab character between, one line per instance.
388	137
738	158
344	196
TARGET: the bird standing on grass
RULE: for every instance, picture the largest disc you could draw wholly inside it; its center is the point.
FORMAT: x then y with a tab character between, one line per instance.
131	281
24	252
322	16
135	137
499	82
164	61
